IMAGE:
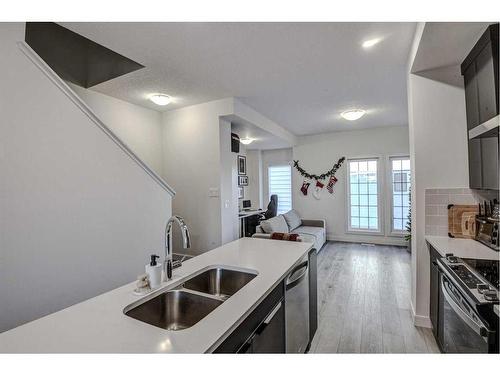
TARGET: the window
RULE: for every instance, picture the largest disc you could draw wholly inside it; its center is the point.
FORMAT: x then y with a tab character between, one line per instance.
363	196
280	183
400	192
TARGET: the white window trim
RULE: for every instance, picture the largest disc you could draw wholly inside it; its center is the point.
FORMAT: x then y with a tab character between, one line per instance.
389	228
380	198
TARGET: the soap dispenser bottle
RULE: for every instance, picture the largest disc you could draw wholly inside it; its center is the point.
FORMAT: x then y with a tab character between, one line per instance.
153	270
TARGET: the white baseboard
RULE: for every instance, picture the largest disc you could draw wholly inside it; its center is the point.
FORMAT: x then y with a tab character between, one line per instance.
379	240
420	320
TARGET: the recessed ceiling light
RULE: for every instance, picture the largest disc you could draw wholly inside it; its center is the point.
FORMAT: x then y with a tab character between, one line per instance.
160	99
371	42
353	114
246	141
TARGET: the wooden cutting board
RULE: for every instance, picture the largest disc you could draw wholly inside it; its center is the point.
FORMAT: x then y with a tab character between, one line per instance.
462	220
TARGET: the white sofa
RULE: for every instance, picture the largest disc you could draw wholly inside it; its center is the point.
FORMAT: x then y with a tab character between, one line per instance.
290	222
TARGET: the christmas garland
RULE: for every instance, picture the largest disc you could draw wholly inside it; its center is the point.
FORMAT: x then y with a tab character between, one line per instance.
322	176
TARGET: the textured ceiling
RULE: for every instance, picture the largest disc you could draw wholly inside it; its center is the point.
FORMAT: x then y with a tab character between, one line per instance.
300	75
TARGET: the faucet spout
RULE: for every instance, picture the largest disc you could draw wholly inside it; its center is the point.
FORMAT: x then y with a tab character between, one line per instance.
186	243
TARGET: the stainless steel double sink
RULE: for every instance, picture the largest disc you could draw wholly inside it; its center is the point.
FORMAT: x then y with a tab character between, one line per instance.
182	306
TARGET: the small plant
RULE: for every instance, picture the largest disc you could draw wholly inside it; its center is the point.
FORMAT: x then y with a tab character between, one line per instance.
408	223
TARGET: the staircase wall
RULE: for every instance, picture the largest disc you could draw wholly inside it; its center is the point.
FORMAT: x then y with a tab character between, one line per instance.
78	214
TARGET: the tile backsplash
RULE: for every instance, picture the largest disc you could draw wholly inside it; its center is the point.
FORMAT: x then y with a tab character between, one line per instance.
437	201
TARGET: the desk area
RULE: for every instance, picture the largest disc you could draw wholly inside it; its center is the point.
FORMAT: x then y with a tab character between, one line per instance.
244	215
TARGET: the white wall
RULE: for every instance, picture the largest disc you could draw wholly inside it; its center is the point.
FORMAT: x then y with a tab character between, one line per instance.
317	154
196	159
138	127
254	190
438	126
228	185
192	164
78	217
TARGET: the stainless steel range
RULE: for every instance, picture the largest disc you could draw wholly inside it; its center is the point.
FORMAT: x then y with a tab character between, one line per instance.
467	295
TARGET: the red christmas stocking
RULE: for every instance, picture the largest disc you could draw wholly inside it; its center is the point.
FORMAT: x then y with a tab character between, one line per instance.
305	186
333	180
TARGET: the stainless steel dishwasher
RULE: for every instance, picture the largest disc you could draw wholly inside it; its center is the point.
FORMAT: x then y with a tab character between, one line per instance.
297	308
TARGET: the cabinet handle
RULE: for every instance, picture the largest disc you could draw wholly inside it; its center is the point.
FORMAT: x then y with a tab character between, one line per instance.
273	313
266	321
246	345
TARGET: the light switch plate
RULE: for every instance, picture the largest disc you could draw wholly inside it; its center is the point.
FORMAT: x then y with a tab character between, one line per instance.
213	192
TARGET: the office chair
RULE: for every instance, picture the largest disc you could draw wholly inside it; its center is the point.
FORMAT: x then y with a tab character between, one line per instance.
272	208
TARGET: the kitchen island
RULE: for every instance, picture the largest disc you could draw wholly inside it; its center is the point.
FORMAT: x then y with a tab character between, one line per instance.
99	324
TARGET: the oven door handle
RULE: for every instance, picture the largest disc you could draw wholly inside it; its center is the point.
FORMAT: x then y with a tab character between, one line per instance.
481	330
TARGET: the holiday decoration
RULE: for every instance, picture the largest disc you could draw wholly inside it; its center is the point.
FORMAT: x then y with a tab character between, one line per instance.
333	180
305	186
322	176
317	190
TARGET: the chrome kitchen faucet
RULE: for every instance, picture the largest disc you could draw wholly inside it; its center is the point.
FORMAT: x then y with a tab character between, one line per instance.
186	243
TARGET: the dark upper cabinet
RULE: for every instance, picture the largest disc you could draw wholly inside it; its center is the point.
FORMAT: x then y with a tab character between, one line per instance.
480	72
471	97
489	162
486	83
475	169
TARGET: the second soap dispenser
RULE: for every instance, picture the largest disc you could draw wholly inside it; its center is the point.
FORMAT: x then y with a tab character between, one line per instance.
153	270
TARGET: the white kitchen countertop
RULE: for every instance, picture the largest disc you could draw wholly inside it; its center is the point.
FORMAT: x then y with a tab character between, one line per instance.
462	248
99	325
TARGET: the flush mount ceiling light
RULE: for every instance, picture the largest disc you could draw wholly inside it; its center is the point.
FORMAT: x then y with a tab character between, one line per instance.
160	99
370	42
246	141
353	114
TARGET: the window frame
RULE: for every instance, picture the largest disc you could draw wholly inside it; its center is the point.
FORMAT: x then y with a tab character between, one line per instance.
380	197
391	232
269	183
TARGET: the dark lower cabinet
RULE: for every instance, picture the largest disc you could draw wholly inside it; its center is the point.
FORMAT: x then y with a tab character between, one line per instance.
313	294
263	331
434	294
270	335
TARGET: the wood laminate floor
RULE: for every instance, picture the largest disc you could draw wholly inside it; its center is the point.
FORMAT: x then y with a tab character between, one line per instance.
364	302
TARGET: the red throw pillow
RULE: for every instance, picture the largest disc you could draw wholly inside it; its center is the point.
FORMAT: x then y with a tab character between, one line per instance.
285	236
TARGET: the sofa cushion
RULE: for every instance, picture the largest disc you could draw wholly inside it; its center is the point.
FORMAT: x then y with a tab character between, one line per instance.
315	231
306	237
312	234
274	224
292	219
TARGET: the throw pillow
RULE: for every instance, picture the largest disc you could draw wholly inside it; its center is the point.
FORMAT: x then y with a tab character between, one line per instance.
285	237
292	219
274	224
